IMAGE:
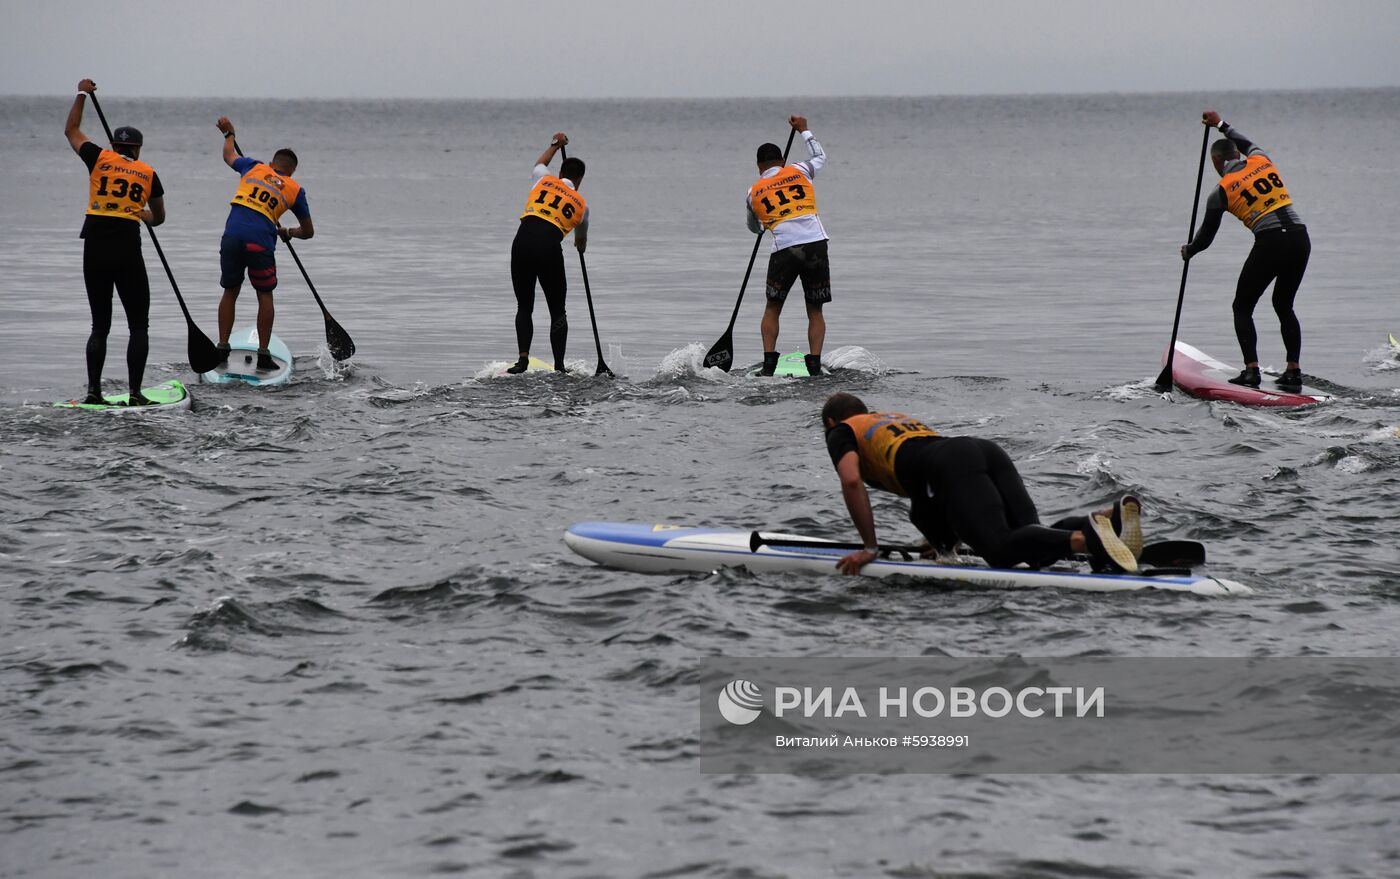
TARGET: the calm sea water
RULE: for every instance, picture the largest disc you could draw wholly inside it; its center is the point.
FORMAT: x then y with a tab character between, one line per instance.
331	629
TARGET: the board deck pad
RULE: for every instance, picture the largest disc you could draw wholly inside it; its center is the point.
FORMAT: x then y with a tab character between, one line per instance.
645	548
242	365
536	365
1203	376
166	395
790	365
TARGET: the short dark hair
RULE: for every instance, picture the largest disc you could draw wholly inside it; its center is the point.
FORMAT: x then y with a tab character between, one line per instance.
285	153
841	405
572	168
1225	149
769	152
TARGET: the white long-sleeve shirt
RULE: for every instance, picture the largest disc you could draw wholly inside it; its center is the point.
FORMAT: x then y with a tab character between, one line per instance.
798	230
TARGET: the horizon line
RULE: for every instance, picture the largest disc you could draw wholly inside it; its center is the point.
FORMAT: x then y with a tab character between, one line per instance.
752	98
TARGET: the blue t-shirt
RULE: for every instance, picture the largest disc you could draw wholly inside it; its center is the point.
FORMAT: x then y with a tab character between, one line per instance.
246	224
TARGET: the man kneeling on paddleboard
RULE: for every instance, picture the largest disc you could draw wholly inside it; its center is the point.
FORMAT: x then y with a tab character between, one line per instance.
962	488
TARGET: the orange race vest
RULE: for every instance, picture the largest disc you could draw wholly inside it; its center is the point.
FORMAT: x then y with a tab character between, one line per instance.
267	192
783	196
119	187
552	199
1254	190
878	436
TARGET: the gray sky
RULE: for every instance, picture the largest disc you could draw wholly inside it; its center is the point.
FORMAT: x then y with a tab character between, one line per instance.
702	48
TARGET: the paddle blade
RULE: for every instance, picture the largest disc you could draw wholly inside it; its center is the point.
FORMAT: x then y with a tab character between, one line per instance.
1164	379
342	347
1173	554
203	355
602	369
722	354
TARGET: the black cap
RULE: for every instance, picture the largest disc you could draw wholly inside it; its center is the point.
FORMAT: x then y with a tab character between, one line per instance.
769	152
127	135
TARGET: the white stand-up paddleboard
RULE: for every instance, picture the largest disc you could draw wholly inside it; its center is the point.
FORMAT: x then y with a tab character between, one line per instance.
242	365
675	549
164	396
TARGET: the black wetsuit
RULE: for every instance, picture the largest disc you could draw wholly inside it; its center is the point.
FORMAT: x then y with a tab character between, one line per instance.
1281	251
966	488
537	254
112	258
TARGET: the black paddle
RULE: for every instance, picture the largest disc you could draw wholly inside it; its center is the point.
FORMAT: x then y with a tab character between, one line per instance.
341	346
1164	381
1163	553
722	353
202	353
583	266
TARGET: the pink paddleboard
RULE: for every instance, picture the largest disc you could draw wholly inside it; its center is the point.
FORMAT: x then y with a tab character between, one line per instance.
1201	375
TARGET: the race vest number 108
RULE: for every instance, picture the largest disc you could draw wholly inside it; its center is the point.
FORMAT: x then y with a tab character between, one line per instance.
1254	190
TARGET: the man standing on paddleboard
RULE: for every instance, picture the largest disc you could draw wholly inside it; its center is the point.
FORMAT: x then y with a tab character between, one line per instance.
1251	189
264	193
962	488
123	192
553	209
784	202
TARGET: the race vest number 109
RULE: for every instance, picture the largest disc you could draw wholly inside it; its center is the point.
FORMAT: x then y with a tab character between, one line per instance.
267	192
1254	190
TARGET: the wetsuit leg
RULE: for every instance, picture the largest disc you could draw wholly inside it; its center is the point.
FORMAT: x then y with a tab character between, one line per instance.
134	288
99	278
554	285
1293	247
982	495
522	278
1258	272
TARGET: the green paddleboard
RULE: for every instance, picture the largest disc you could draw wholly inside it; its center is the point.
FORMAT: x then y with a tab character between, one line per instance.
792	365
166	395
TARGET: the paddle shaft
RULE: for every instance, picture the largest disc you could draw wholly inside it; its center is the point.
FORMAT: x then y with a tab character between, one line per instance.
724	357
1164	381
196	335
337	340
588	294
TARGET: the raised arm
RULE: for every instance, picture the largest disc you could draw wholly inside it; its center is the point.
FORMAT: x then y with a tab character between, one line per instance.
230	150
816	155
560	139
1246	146
71	129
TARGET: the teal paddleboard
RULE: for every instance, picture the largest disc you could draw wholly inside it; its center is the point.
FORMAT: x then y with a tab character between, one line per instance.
242	365
791	365
166	395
